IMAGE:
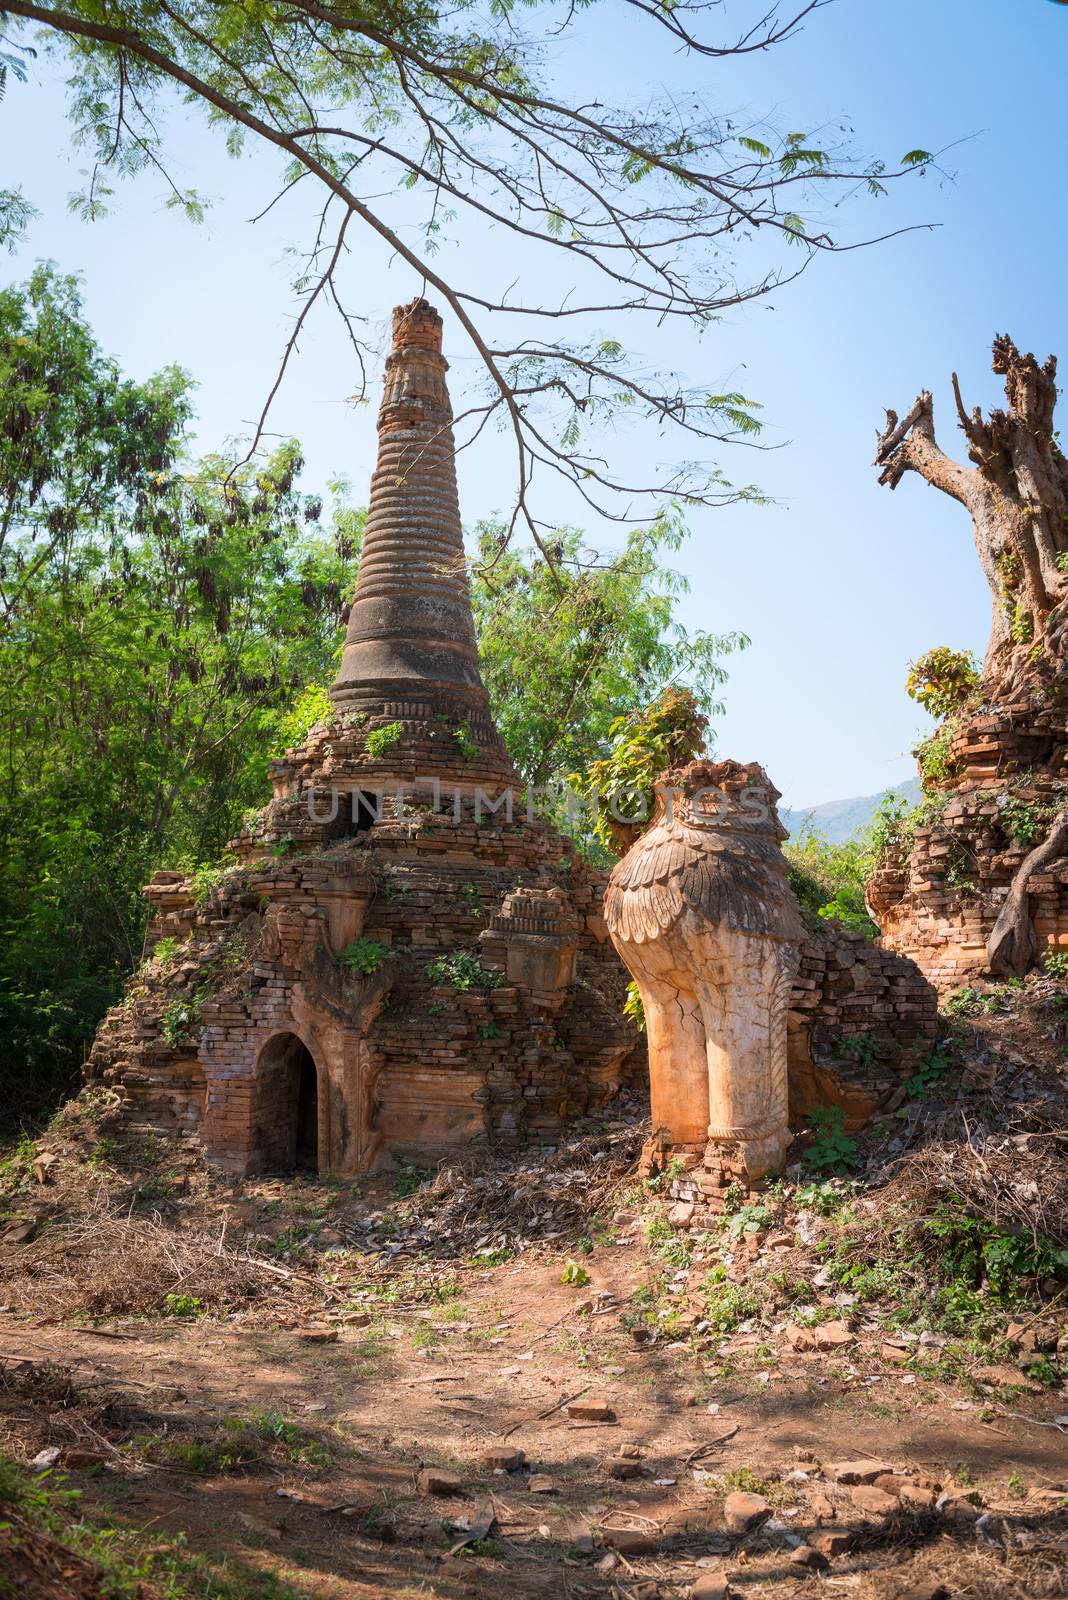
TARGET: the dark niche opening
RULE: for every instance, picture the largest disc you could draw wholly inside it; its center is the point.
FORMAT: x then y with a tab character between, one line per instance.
287	1107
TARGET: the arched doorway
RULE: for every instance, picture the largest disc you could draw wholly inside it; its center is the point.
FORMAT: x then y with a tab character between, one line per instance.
287	1106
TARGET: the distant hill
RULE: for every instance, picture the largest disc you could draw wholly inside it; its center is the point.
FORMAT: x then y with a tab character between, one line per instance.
839	820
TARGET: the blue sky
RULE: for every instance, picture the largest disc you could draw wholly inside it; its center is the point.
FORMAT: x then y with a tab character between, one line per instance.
840	583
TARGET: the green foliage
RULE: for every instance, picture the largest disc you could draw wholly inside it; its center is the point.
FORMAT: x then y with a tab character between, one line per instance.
311	707
831	1149
460	970
970	1002
156	617
826	1197
363	956
933	1066
751	1218
1024	820
634	1007
181	1305
575	1275
165	950
828	879
943	680
975	1248
645	744
730	1304
466	742
382	740
861	1048
179	1021
566	651
131	1564
937	767
1055	963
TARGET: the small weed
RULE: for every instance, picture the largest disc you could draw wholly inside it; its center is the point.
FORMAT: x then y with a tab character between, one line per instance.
931	1068
182	1305
1016	1487
575	1275
825	1198
750	1219
862	1048
382	740
178	1021
363	956
411	1179
1055	963
466	742
461	971
831	1149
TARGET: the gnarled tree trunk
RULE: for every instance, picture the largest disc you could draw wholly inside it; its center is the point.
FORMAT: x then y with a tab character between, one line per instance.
1017	494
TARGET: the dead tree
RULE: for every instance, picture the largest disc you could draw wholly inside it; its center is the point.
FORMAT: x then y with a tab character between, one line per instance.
1017	494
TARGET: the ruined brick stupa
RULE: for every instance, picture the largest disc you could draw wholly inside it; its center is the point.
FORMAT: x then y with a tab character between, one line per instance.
392	966
405	959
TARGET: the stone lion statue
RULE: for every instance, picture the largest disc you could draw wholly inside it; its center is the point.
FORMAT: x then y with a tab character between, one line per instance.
701	912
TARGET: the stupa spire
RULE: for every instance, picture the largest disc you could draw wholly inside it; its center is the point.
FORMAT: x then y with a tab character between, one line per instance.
411	634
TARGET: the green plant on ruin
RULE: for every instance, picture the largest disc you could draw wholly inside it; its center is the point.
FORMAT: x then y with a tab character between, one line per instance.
488	1030
828	878
1021	624
380	741
644	743
830	1149
312	707
861	1048
937	767
364	956
634	1006
281	848
465	741
930	1070
207	877
968	1001
179	1021
959	875
166	949
1055	963
458	969
943	680
752	1218
472	897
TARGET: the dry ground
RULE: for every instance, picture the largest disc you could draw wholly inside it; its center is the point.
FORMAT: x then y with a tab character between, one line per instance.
328	1343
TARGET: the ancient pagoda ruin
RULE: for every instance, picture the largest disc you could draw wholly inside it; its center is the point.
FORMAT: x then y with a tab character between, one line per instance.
405	959
976	884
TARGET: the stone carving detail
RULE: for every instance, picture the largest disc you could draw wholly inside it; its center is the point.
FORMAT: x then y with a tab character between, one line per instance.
702	914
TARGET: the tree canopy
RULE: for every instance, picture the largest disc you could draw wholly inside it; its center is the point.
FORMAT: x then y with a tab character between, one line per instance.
474	121
157	617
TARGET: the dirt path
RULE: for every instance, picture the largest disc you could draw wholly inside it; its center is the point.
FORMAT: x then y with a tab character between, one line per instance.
336	1505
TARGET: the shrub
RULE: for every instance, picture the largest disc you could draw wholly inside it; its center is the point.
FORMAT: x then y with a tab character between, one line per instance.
828	879
363	956
382	740
460	970
937	768
466	742
943	680
831	1149
1055	963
